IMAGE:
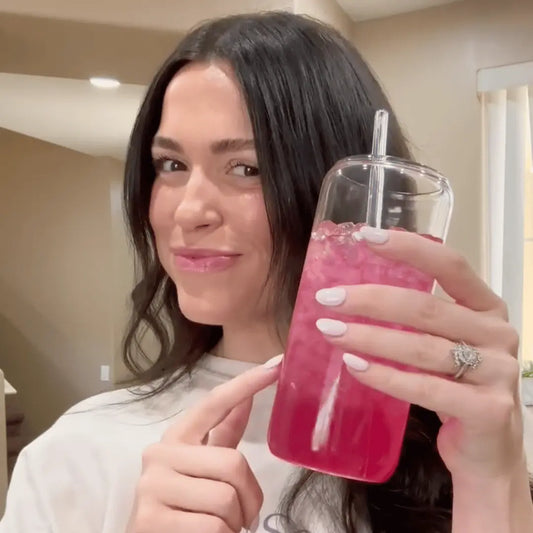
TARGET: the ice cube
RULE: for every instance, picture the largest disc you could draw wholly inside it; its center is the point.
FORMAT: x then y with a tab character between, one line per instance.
347	227
326	228
317	235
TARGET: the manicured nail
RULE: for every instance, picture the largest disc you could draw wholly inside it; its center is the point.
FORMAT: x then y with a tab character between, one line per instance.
274	362
334	328
254	526
374	235
331	297
355	363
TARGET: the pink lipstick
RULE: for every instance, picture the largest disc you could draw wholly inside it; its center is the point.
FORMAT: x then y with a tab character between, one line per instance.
203	260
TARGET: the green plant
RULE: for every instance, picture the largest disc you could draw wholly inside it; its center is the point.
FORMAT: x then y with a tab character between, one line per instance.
527	369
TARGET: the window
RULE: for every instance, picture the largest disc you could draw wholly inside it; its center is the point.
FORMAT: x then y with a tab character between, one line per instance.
507	102
527	318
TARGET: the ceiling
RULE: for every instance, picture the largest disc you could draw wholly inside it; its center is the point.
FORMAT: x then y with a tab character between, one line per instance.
44	88
175	15
70	113
360	10
180	15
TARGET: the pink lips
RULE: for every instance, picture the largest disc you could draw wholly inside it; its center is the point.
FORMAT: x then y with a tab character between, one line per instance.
202	260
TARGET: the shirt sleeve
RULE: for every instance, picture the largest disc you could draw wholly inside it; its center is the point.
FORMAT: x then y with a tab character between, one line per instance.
57	487
24	507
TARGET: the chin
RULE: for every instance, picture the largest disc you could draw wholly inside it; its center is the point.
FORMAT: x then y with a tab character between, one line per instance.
203	311
199	317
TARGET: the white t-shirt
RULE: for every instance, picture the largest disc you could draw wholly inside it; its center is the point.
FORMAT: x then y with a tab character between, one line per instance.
80	475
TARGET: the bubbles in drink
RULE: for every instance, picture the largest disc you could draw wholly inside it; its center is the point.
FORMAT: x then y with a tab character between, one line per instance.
361	436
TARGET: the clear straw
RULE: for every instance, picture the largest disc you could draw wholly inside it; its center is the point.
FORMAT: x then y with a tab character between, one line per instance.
376	183
322	428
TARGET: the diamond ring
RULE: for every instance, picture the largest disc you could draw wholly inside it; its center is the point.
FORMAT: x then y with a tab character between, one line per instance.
464	358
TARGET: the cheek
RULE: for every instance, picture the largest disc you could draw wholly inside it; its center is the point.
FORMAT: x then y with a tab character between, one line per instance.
255	220
160	212
161	216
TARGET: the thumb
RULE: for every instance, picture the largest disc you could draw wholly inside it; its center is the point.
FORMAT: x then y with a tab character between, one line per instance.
229	432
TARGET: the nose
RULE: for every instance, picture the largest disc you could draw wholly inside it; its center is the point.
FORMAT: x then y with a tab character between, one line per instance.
197	205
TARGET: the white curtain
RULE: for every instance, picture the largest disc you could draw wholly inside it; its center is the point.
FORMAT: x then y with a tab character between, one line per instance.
507	104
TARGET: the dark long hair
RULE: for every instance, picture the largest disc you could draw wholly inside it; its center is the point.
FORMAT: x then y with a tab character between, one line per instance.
311	100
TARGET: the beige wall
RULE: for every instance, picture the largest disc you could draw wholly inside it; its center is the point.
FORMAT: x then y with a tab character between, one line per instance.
122	275
58	291
327	11
48	47
428	62
527	320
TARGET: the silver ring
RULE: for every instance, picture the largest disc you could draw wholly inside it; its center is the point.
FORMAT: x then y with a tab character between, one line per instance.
465	357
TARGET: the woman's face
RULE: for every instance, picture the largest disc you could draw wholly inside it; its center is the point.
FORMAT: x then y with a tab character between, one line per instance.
207	209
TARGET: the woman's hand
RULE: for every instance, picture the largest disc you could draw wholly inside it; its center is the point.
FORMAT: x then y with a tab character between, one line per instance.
194	480
481	438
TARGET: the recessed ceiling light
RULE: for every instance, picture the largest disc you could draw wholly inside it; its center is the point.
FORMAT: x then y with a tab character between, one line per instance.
105	83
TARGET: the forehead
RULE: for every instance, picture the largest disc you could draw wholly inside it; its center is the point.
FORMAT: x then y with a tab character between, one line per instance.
205	95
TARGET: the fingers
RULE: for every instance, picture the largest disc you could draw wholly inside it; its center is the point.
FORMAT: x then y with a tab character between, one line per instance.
428	313
425	352
224	465
447	266
448	397
155	517
481	408
199	495
194	522
230	431
205	488
196	423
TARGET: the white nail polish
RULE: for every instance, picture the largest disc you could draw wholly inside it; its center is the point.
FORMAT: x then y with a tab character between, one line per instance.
274	362
374	235
334	328
354	362
254	526
331	297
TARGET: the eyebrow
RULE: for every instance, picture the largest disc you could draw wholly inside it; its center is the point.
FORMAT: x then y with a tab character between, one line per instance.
218	147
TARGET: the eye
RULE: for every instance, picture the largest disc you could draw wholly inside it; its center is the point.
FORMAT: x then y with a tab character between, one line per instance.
241	169
164	165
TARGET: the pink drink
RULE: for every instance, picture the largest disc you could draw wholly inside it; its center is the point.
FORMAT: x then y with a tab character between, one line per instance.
362	436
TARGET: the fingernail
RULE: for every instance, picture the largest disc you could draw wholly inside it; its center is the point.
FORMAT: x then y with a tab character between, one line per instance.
334	328
274	362
331	297
374	235
254	526
355	363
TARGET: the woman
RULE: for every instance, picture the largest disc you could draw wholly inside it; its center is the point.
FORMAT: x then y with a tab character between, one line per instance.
225	163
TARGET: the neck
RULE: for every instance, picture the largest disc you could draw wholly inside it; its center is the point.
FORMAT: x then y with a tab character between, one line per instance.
254	343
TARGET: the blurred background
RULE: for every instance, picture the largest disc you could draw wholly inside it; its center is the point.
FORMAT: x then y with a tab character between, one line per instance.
449	68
